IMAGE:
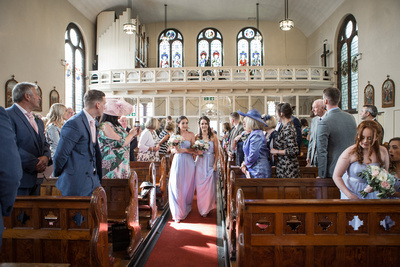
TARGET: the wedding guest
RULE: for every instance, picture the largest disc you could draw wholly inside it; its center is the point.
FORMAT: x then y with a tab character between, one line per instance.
369	112
305	130
270	134
318	108
366	151
114	141
285	145
134	143
237	129
10	168
70	113
181	179
168	131
31	140
255	147
56	118
205	175
394	153
148	142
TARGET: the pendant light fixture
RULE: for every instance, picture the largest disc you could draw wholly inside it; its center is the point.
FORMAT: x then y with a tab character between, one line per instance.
129	27
257	37
165	37
286	24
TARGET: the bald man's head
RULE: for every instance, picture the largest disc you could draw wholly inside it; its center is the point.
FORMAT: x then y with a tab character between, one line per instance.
318	107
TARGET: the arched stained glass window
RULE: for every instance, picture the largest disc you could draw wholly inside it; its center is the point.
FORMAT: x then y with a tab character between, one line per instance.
348	64
170	49
209	48
249	47
74	68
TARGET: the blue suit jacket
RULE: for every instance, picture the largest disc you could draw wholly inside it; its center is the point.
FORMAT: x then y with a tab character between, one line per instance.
10	168
77	161
31	145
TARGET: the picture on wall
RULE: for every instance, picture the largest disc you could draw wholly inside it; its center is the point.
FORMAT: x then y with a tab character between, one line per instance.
369	95
9	87
388	91
54	96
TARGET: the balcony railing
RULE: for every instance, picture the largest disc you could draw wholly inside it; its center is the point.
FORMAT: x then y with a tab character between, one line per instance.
219	75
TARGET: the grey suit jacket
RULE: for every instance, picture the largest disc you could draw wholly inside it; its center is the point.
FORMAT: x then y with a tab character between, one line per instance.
238	130
335	133
312	144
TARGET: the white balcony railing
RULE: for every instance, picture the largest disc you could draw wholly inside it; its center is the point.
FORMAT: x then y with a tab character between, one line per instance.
218	75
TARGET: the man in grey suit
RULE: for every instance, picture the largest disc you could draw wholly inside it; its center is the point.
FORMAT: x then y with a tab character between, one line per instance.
77	160
318	108
369	113
335	133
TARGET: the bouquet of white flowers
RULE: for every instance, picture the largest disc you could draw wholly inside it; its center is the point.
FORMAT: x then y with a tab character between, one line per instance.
175	140
201	146
379	180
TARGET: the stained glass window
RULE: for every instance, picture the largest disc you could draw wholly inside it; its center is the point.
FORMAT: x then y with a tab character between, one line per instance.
348	64
74	68
209	48
170	49
249	47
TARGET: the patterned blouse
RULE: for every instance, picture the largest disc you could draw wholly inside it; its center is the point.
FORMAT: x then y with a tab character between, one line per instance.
115	163
287	166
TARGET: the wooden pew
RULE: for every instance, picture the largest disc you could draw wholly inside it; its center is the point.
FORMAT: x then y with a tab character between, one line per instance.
57	229
317	232
273	188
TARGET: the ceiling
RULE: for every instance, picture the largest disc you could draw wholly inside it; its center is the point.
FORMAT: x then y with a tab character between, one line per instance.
307	15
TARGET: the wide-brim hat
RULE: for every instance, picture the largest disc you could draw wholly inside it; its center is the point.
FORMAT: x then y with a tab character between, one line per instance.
253	114
118	107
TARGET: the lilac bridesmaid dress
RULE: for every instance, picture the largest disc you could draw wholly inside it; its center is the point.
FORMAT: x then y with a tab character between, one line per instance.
181	184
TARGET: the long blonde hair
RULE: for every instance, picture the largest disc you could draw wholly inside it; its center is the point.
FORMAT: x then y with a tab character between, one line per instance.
56	115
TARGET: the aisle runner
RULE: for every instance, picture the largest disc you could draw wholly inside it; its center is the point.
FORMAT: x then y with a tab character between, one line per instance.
193	242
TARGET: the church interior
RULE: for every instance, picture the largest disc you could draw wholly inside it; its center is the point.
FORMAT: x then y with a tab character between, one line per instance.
195	58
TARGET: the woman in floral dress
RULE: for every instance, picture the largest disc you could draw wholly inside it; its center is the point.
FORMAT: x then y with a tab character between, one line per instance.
285	145
115	141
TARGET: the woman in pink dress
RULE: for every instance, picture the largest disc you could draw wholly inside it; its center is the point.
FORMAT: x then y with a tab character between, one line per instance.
206	169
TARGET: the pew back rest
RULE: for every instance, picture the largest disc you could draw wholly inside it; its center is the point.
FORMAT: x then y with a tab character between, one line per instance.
317	232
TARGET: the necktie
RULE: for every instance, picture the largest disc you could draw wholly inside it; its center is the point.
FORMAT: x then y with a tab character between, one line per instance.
93	130
32	122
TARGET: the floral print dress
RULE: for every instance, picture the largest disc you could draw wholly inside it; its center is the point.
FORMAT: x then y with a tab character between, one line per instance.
287	166
115	162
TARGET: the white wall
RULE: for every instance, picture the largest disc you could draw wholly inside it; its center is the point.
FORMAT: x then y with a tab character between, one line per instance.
280	48
379	42
32	43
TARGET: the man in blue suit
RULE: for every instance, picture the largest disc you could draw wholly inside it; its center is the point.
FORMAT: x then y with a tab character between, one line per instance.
10	168
77	160
31	141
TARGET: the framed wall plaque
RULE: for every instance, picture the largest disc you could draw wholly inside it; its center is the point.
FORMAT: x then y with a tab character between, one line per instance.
388	91
369	95
9	87
54	96
39	90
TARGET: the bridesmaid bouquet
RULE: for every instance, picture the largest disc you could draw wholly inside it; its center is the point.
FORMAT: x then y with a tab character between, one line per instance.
175	140
379	180
201	146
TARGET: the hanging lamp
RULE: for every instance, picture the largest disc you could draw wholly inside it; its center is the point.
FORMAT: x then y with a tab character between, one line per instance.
257	37
286	24
129	27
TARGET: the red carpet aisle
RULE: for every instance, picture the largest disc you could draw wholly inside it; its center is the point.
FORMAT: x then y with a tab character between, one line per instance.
193	242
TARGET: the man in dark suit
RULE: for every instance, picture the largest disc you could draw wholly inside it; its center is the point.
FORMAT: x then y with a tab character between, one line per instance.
237	129
31	141
369	112
10	168
77	160
335	133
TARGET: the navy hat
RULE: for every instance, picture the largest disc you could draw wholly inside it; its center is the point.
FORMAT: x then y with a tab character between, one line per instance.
253	114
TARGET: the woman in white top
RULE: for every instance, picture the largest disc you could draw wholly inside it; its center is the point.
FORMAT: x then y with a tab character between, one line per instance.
148	142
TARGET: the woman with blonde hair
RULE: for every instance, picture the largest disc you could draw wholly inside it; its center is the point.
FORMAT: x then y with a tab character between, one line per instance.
55	120
148	143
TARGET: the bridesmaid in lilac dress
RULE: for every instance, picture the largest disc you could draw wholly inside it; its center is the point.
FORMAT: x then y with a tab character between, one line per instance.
206	169
181	179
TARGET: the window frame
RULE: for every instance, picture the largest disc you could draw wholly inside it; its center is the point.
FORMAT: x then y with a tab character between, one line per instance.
249	45
170	47
204	38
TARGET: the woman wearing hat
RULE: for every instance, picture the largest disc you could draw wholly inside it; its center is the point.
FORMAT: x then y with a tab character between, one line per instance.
114	140
255	147
285	145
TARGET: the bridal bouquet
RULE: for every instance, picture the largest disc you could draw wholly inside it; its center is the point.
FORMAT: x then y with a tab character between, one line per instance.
201	146
379	180
175	140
